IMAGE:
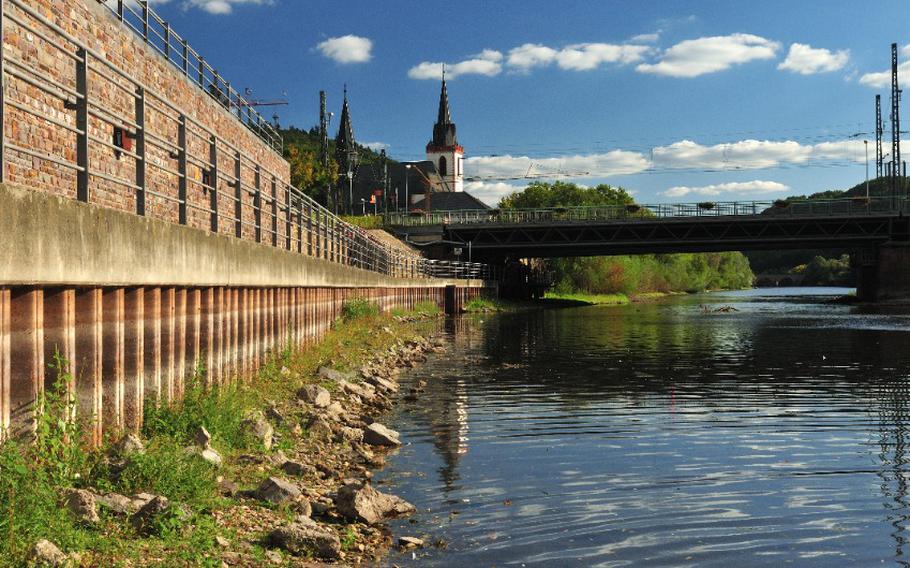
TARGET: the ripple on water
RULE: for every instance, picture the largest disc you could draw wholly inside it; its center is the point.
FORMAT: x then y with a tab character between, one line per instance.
657	435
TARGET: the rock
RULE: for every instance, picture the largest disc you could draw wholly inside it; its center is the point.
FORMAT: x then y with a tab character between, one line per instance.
273	557
260	428
129	445
116	503
315	395
334	411
332	375
227	488
141	499
285	372
351	434
222	542
378	435
365	390
275	415
83	505
410	542
202	437
306	539
363	503
320	429
304	509
211	456
384	384
296	468
277	490
147	520
46	553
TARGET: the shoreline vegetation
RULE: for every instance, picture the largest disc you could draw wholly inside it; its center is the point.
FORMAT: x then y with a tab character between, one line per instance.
271	470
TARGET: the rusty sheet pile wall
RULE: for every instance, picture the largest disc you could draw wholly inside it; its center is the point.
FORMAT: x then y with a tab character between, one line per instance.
127	347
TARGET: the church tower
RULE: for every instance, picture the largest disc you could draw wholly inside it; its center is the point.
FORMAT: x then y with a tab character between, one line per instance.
443	150
347	158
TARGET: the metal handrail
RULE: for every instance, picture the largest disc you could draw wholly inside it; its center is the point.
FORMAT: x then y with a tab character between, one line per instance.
856	206
231	183
158	34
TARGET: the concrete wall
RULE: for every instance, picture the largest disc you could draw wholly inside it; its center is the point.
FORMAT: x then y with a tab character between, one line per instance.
48	240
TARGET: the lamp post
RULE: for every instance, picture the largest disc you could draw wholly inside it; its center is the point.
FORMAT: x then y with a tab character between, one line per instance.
351	190
407	174
363	206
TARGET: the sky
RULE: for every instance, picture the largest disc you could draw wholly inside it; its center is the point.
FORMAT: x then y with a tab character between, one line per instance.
673	101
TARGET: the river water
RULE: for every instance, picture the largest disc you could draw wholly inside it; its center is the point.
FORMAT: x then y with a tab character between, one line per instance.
663	435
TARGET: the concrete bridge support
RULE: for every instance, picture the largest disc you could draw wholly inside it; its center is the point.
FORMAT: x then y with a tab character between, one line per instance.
883	274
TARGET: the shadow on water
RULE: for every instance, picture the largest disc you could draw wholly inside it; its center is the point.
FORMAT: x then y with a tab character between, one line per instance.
663	434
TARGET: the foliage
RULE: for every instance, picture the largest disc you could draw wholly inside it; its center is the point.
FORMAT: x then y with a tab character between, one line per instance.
628	275
364	221
357	309
598	299
821	271
308	173
560	194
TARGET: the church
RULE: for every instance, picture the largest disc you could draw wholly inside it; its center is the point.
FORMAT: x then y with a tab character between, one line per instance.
434	184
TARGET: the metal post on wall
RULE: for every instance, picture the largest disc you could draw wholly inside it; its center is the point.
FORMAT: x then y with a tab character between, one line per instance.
238	198
213	182
287	215
82	125
2	96
257	204
140	151
181	169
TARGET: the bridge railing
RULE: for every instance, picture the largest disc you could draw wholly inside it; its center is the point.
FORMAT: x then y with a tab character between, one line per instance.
88	130
643	212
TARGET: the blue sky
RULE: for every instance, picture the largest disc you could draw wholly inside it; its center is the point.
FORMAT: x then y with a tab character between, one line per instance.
675	101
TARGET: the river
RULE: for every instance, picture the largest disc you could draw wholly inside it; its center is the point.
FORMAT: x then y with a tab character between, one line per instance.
663	435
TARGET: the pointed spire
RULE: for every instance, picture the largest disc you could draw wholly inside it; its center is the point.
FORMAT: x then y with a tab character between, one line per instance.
444	129
345	146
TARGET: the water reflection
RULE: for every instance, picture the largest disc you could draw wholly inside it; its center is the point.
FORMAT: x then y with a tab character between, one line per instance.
662	435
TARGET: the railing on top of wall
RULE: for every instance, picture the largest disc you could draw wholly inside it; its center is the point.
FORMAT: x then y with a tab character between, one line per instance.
233	194
157	33
849	206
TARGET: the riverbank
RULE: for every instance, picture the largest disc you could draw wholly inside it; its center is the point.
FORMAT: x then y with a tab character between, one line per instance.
275	470
582	298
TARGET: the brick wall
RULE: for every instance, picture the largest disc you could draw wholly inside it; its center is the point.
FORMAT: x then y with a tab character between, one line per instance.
113	98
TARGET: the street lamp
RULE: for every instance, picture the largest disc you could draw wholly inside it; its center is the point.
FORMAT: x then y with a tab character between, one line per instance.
407	174
350	175
363	206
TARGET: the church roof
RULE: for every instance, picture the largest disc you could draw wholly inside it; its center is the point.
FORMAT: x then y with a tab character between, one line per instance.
451	201
444	129
345	147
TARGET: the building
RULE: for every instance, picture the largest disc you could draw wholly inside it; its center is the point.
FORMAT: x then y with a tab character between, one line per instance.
397	186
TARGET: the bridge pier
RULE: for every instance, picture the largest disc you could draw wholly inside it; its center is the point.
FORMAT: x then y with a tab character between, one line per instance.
883	275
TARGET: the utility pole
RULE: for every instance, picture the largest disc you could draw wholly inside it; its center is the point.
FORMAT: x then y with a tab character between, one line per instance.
385	178
895	123
879	131
324	148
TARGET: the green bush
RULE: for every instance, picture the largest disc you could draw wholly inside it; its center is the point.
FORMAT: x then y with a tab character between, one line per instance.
357	309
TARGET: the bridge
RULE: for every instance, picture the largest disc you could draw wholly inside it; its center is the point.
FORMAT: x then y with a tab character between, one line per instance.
876	229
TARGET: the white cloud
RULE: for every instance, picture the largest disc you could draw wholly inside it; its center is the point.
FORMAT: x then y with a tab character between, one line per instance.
487	63
752	154
347	49
575	57
219	7
587	56
491	192
376	146
615	162
694	57
530	55
882	79
740	187
645	38
807	60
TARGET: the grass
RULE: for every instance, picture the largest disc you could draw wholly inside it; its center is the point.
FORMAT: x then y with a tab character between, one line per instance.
33	476
364	221
421	309
604	299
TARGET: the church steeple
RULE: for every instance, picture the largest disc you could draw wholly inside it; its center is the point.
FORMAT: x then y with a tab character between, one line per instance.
444	129
345	146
